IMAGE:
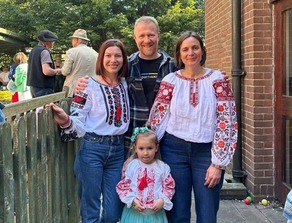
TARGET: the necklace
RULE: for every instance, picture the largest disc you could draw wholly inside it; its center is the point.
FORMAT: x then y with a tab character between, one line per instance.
103	78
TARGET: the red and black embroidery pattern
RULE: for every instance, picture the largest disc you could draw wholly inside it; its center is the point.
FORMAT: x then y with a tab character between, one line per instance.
79	100
117	105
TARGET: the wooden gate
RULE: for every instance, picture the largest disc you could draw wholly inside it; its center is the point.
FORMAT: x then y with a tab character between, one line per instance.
37	182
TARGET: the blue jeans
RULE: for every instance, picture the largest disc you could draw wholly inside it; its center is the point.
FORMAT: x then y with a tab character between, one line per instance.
98	166
37	91
189	163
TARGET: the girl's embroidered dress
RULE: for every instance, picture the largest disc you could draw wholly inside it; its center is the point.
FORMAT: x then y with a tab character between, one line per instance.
147	183
99	109
180	101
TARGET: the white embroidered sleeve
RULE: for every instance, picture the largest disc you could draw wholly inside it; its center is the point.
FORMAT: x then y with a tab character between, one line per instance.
124	190
159	113
167	192
79	110
225	137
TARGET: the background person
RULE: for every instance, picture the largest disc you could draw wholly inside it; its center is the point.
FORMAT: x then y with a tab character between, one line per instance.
21	77
11	76
100	117
41	67
60	79
194	114
147	187
4	76
79	60
2	116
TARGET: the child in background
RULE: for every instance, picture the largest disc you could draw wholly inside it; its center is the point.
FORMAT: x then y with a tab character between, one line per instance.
147	187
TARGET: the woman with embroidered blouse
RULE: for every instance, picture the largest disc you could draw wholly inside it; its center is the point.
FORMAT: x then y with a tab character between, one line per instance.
194	116
147	187
100	117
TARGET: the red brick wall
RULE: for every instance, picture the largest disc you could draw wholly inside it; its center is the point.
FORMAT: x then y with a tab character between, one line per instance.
257	85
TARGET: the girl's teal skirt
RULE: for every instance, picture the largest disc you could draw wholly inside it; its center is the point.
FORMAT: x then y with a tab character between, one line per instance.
131	216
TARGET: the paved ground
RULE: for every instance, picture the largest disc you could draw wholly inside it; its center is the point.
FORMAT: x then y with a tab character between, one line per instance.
236	211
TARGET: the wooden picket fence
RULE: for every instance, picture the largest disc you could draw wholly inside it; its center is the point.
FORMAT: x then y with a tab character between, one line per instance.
37	182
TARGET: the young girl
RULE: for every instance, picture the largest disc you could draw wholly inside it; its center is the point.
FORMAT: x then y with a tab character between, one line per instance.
147	187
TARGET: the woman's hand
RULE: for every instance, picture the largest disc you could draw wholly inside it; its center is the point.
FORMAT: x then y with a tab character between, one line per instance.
81	84
60	116
213	176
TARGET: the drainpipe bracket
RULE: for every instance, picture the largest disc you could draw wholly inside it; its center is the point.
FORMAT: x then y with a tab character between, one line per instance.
237	72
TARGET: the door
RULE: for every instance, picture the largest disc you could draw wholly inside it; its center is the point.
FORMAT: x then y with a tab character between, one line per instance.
283	98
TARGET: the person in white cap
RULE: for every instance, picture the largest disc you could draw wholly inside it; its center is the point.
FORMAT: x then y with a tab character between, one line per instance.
41	68
79	60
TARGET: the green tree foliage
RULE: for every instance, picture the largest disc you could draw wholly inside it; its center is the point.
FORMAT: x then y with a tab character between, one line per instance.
180	17
102	19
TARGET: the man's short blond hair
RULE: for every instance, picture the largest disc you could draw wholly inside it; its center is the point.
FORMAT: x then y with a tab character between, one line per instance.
146	19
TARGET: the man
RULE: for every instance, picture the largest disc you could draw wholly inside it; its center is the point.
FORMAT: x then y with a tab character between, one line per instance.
79	60
41	69
147	67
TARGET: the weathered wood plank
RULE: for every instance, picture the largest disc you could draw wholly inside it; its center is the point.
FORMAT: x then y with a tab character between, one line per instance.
6	175
20	107
20	170
32	165
43	168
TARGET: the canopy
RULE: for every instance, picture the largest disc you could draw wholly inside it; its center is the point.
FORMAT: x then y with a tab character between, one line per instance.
11	42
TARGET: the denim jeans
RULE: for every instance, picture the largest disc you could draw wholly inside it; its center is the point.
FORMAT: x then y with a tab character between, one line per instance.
98	166
189	163
37	92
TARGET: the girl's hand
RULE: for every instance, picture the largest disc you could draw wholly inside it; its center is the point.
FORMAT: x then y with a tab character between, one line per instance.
137	205
158	204
213	176
60	115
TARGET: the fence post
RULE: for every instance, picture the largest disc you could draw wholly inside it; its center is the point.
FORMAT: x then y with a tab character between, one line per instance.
6	174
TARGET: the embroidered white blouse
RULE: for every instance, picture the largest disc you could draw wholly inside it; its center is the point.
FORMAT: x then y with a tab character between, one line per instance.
99	109
147	183
197	110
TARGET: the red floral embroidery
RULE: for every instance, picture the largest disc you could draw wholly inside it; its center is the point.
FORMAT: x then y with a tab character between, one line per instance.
220	108
221	144
222	125
165	92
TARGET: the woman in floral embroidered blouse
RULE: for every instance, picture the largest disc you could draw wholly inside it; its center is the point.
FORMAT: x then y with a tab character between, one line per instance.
100	117
195	116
